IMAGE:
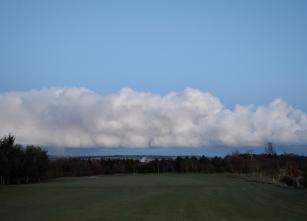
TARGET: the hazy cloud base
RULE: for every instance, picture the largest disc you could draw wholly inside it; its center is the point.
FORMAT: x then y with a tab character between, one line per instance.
78	117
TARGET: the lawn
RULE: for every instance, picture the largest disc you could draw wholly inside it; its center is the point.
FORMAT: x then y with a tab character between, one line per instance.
151	197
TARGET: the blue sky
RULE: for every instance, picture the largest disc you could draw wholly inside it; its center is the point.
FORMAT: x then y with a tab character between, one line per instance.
243	52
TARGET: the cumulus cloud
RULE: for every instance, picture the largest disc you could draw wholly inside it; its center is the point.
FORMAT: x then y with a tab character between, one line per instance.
78	117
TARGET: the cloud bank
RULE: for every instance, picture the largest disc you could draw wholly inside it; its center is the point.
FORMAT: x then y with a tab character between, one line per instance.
78	117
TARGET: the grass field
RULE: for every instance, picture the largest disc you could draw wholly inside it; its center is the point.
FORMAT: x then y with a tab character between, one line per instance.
151	197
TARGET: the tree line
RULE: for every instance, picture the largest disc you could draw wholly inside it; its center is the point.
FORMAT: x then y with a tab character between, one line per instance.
28	164
19	164
288	169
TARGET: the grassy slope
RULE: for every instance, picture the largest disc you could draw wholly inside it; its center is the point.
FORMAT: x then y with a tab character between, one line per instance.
152	197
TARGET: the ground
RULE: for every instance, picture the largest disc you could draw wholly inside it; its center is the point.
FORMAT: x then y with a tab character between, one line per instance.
152	197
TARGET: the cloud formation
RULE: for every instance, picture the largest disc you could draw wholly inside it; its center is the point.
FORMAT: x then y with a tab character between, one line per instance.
78	117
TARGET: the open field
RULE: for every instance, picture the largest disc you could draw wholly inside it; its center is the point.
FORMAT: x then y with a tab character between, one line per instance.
151	197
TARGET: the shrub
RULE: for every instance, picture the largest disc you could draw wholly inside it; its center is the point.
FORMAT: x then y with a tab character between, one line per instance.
303	180
289	181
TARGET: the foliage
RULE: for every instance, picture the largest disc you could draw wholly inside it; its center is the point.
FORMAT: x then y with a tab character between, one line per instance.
29	164
20	164
303	180
289	181
257	164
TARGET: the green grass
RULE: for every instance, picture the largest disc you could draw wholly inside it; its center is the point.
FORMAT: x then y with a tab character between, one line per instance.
152	197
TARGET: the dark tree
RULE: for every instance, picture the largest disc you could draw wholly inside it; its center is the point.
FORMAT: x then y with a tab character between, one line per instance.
19	164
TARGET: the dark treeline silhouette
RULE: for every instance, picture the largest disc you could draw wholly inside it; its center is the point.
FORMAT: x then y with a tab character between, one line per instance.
289	169
236	163
20	164
28	164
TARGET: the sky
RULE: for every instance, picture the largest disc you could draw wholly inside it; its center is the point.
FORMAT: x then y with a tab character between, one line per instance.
244	56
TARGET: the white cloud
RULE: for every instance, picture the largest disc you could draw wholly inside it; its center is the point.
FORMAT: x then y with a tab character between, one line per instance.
78	117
